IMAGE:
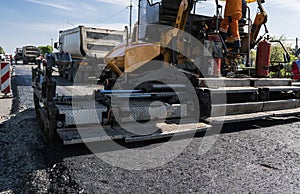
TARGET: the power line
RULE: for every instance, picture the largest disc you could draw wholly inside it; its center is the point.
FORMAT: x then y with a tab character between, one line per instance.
113	15
70	23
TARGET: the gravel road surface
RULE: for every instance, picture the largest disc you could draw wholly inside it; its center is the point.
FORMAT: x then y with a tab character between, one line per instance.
252	157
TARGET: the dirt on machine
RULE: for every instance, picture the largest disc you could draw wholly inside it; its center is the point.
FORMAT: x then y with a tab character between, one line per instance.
175	76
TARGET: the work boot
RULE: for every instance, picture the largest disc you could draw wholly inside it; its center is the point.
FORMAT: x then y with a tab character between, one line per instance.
236	46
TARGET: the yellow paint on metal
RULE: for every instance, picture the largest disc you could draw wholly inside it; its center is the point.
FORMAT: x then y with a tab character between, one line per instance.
138	55
251	1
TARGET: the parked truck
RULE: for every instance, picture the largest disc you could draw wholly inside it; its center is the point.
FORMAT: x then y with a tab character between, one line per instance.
30	53
84	47
18	55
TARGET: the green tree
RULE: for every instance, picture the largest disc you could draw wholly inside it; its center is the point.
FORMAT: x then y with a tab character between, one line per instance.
46	49
278	57
2	50
277	51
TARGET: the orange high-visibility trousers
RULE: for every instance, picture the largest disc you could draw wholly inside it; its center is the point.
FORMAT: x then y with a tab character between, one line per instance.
233	24
232	15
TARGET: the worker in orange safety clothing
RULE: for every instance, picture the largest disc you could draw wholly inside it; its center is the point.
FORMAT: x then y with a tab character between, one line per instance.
232	15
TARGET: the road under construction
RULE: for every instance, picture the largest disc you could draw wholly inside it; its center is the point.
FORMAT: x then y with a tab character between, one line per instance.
176	75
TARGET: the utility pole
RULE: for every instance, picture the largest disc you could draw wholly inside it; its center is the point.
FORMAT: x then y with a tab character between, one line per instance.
130	17
51	41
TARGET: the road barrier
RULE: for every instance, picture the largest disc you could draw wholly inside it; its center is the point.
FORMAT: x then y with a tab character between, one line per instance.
5	78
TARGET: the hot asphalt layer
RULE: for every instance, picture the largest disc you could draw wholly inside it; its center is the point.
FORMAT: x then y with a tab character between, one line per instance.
256	157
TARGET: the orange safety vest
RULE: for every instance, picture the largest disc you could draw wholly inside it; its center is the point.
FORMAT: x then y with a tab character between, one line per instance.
233	8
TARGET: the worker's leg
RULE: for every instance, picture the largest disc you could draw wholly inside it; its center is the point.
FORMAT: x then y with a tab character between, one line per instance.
234	28
224	28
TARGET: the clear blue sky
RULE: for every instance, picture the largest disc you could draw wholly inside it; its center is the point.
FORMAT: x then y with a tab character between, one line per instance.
36	22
